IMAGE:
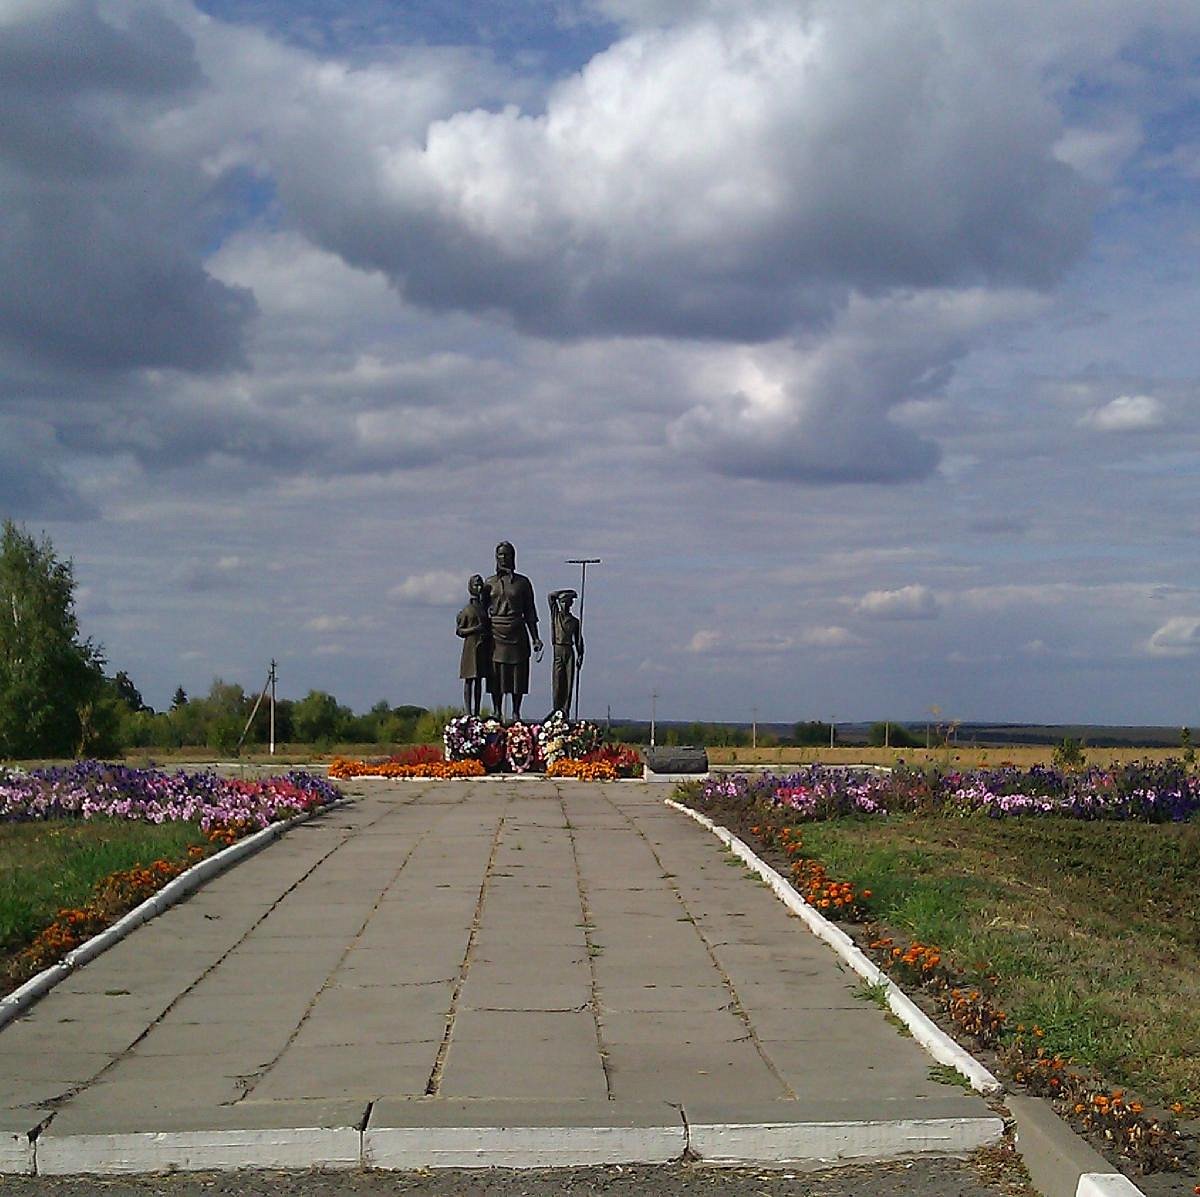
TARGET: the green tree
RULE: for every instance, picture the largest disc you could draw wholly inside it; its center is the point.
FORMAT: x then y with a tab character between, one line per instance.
179	699
893	735
812	732
49	677
315	717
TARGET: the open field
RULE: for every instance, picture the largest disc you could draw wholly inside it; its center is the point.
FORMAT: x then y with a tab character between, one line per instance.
958	756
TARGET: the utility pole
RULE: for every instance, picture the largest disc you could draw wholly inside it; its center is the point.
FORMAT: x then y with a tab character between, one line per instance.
653	712
754	728
268	688
583	563
832	731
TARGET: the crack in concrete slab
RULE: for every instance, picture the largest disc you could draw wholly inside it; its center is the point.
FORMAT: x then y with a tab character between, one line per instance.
592	948
434	1084
254	1079
735	1007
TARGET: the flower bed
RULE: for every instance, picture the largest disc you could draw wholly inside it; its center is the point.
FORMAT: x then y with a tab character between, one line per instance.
343	767
92	788
117	893
1150	792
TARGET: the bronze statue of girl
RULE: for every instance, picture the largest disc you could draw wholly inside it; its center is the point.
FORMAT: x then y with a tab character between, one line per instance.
475	628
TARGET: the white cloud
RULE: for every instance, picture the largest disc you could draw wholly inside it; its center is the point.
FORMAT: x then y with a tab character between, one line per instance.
831	636
437	588
908	602
704	641
1178	637
338	623
1127	413
198	575
819	410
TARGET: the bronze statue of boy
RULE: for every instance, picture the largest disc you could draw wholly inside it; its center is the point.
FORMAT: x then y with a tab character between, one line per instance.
567	636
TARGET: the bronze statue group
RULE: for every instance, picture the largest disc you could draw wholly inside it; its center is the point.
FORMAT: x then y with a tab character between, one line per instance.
499	631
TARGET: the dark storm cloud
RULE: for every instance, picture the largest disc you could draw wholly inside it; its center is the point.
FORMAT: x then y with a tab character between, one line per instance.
99	263
32	486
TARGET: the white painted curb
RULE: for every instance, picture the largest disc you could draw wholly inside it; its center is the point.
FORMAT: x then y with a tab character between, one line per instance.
931	1037
175	890
16	1154
797	1142
408	1148
1106	1184
197	1151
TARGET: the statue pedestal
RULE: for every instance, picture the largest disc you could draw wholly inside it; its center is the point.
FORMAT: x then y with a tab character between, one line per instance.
683	762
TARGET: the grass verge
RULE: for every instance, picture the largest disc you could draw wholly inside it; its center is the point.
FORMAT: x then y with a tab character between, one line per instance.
49	866
1091	930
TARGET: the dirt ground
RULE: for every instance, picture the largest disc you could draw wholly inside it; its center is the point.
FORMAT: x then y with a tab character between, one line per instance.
987	1174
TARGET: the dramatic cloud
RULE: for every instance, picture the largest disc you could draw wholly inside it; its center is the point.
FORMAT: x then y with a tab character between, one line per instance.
823	412
733	176
767	303
31	486
909	602
100	263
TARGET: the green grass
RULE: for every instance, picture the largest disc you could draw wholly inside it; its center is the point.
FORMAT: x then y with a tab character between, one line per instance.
1093	929
45	866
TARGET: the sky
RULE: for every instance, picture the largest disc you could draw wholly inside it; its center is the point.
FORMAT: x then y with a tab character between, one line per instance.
856	338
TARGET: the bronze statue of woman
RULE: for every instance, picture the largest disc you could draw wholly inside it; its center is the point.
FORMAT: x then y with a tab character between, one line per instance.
514	624
474	626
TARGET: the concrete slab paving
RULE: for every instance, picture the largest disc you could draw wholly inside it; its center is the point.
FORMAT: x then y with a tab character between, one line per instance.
474	966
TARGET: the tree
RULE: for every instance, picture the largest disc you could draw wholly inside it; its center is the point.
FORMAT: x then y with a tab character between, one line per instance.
127	692
812	732
315	717
50	680
891	735
179	699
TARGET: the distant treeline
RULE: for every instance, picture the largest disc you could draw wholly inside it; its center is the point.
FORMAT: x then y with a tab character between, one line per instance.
218	719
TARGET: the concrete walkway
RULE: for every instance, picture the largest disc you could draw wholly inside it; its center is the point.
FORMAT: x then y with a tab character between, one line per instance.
517	973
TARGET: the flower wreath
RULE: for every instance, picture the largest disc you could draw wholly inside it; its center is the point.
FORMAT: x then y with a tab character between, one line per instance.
522	748
467	736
